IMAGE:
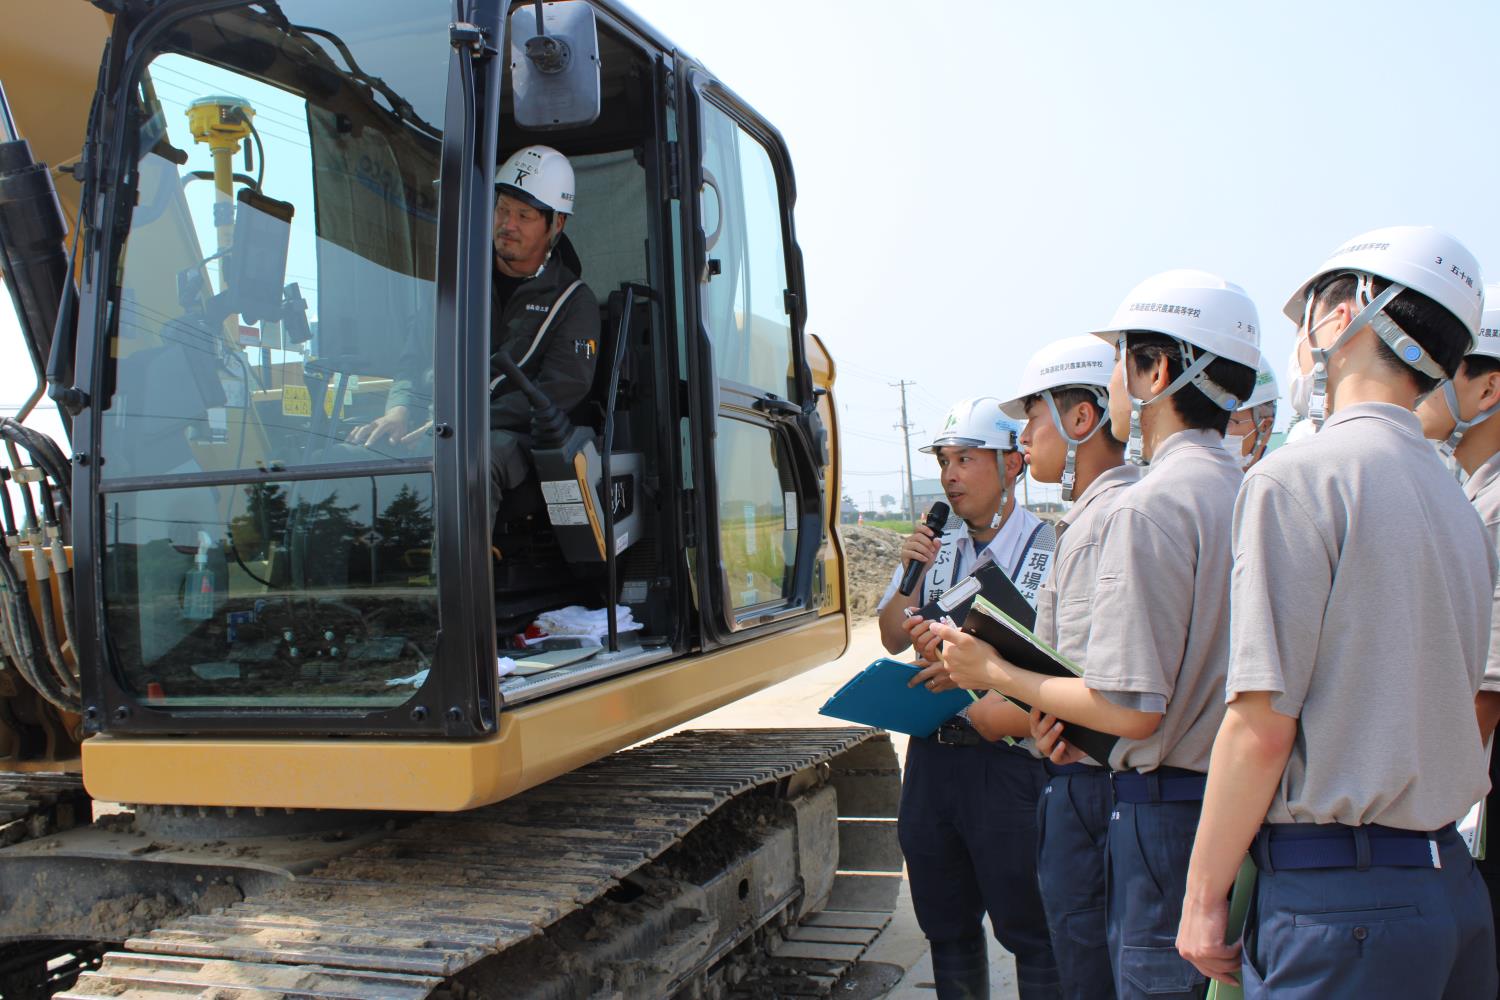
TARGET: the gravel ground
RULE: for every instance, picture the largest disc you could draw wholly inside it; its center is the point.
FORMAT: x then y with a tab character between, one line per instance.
870	555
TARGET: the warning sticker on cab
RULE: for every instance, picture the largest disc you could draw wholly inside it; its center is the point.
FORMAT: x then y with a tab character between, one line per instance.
562	491
296	401
564	514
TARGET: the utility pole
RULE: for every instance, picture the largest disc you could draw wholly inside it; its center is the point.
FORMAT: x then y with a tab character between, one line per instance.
905	428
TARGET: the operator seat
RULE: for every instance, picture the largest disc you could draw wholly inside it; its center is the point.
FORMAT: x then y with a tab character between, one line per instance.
549	529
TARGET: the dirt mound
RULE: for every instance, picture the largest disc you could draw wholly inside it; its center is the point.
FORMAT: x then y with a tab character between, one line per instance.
871	554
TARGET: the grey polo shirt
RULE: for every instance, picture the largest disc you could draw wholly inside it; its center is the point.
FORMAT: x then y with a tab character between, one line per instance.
1064	603
1362	594
1159	638
1483	491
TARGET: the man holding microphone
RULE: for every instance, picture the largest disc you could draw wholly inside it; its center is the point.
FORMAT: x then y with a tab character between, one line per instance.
968	803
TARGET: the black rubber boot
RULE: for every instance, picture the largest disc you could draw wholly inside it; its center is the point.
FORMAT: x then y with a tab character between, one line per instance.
961	969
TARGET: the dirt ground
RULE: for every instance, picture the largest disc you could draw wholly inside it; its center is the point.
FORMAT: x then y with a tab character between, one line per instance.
871	555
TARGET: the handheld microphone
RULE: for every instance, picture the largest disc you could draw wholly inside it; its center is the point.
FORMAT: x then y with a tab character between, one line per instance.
936	518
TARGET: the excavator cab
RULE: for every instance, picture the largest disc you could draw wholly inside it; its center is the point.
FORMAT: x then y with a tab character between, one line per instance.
287	209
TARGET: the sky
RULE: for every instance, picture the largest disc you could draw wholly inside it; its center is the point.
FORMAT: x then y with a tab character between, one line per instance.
976	179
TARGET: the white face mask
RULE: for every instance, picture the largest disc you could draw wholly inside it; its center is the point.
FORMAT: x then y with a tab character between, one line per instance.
1236	444
1299	383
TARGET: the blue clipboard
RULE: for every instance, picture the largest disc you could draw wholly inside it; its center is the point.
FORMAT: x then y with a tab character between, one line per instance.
878	696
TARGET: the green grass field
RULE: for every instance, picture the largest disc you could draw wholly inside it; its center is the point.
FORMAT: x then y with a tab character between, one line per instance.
897	524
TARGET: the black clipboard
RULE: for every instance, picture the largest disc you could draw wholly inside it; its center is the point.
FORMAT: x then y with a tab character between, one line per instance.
1020	646
989	581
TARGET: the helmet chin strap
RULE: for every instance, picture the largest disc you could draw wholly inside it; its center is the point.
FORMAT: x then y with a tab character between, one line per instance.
1461	426
1069	475
1194	371
1371	314
999	516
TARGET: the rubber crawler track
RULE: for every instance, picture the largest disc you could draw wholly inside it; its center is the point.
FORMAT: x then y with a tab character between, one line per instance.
393	920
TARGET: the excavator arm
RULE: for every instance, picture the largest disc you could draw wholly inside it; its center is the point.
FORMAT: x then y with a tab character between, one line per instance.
49	65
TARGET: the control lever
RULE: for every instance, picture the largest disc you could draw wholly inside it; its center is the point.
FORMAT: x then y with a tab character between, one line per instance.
549	425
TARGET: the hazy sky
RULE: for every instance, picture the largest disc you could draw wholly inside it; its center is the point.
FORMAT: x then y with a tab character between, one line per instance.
976	179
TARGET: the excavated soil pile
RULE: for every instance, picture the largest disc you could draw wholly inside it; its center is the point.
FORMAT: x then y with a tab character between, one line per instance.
871	554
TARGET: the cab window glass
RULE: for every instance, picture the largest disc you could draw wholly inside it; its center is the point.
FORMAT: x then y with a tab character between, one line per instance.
276	291
744	300
268	353
757	515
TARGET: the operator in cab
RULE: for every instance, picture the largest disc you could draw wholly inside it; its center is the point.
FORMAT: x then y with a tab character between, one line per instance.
967	820
542	316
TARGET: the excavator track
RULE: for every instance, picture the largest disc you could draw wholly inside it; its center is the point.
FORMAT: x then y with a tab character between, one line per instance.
34	805
399	918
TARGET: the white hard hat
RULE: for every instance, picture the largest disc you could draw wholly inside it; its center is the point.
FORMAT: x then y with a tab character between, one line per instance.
1422	258
1265	390
1195	307
1488	341
540	176
976	423
1081	361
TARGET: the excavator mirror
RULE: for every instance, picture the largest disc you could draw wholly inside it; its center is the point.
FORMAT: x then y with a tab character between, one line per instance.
255	271
554	64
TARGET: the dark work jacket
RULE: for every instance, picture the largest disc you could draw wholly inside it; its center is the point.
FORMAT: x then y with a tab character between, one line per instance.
561	365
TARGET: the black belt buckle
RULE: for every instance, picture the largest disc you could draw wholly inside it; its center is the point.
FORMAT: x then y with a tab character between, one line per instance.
956	734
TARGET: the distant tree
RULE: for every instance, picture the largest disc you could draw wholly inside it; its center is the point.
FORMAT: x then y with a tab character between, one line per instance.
263	522
406	523
887	501
324	536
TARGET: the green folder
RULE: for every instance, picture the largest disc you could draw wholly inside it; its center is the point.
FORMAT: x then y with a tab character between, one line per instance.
1239	912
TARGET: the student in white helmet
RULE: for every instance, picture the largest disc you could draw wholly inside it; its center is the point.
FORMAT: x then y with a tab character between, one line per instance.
1158	644
1249	430
1063	396
1362	600
967	820
541	314
1459	418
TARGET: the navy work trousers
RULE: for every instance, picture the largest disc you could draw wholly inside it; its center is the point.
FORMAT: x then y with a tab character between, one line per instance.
1149	847
1342	933
968	830
1073	825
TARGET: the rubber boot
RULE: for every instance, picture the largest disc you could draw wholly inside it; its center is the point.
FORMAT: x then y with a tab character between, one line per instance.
961	969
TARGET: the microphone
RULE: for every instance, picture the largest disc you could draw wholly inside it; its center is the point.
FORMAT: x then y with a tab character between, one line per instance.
936	518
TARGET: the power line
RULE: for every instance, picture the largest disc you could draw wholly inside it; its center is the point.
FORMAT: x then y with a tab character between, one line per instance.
882	438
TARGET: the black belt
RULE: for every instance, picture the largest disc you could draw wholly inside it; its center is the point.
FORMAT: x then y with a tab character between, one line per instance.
957	732
1165	784
1292	846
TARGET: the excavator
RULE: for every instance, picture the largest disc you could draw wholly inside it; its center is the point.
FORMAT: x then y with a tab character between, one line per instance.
286	715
